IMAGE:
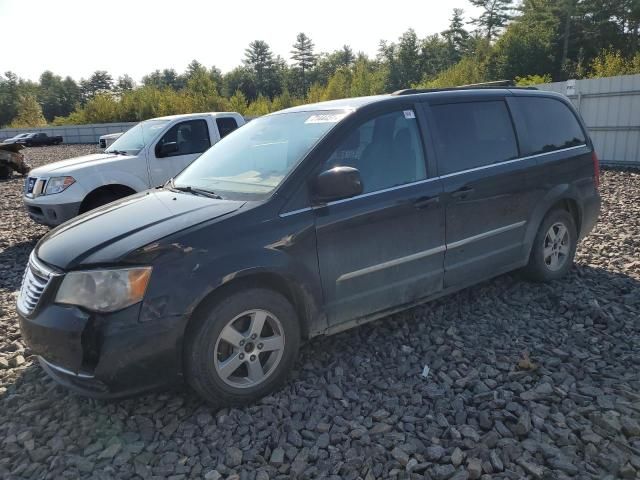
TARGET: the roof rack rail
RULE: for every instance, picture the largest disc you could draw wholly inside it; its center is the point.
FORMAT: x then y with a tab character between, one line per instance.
493	84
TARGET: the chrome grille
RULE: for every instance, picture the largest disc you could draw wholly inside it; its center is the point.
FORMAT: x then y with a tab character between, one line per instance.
34	283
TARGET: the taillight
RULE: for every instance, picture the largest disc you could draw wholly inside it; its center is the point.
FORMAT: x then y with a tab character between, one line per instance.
596	170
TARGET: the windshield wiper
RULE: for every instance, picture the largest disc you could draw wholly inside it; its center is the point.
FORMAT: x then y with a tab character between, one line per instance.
194	190
117	152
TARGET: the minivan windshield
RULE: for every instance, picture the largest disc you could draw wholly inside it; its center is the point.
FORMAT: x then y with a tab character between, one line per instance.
253	160
135	139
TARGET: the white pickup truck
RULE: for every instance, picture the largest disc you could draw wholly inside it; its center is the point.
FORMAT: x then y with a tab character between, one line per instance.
145	156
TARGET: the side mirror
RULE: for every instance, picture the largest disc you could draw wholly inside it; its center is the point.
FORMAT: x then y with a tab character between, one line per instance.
337	183
166	149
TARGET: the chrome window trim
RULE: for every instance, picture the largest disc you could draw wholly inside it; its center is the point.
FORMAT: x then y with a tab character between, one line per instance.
506	162
426	180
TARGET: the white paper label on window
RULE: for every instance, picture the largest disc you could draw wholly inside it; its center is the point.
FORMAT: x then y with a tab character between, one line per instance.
326	118
409	114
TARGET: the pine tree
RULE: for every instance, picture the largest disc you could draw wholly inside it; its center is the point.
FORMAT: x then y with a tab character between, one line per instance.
260	60
304	58
456	36
495	15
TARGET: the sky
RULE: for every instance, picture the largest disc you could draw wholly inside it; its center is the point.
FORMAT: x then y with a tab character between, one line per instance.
77	37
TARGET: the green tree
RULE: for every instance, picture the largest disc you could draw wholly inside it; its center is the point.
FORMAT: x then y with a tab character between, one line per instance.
124	84
495	15
304	59
240	79
528	45
29	113
100	82
456	36
8	97
261	62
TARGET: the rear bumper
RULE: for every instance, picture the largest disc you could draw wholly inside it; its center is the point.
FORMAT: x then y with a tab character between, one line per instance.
51	214
104	356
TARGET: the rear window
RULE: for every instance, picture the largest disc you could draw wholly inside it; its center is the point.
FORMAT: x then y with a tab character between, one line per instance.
473	134
226	125
550	125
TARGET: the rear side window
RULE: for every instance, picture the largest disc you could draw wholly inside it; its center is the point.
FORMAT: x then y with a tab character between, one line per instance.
550	125
226	125
473	134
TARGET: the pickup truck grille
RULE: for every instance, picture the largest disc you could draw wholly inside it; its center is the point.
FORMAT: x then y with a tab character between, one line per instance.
34	283
34	187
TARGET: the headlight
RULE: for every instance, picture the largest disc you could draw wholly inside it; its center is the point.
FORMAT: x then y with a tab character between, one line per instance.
104	290
58	184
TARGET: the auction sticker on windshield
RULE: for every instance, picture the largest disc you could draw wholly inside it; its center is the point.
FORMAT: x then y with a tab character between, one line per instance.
326	117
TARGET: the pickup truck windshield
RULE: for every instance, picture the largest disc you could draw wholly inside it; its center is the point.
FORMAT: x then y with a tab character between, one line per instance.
135	139
253	160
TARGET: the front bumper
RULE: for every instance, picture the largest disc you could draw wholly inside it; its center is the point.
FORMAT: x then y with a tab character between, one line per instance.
50	214
104	355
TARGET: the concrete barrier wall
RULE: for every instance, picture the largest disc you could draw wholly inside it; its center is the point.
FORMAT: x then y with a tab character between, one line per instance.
73	133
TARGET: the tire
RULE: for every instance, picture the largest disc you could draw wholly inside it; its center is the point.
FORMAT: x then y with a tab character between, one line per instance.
224	374
551	259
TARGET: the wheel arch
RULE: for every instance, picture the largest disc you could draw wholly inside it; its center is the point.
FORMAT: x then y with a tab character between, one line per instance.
561	197
118	189
293	291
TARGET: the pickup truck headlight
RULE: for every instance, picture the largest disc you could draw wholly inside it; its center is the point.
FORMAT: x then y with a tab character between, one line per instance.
104	290
58	184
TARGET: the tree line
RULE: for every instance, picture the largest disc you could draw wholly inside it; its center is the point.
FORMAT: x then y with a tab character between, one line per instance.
532	41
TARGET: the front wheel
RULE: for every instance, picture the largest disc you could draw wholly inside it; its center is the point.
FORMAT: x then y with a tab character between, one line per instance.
242	348
554	247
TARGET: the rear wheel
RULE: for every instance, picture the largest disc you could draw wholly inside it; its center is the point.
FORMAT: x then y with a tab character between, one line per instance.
554	247
242	348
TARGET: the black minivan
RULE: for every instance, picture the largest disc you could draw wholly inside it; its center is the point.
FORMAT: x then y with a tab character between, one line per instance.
307	222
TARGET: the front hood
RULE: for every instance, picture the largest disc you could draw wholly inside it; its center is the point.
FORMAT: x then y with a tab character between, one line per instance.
107	234
70	163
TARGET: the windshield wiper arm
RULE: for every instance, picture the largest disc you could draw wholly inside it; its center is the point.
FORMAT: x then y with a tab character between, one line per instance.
196	191
117	152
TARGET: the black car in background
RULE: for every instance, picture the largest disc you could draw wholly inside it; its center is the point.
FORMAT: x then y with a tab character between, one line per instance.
39	140
307	222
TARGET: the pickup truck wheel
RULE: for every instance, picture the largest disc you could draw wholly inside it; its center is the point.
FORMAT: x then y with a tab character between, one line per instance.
242	348
554	247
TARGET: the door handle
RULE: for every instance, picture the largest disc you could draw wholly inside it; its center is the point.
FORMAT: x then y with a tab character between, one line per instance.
424	202
462	192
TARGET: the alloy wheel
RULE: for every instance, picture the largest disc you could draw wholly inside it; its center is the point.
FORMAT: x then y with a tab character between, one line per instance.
557	246
249	348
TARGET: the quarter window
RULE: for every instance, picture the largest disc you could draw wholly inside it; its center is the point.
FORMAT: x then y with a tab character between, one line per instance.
190	137
226	125
386	150
473	134
549	124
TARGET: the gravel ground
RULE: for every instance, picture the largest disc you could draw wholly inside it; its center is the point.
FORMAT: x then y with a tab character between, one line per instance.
525	381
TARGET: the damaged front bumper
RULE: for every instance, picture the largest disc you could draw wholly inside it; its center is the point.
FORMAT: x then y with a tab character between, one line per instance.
104	355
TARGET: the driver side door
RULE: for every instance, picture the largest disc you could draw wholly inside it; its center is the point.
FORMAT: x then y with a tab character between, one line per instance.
178	147
385	247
